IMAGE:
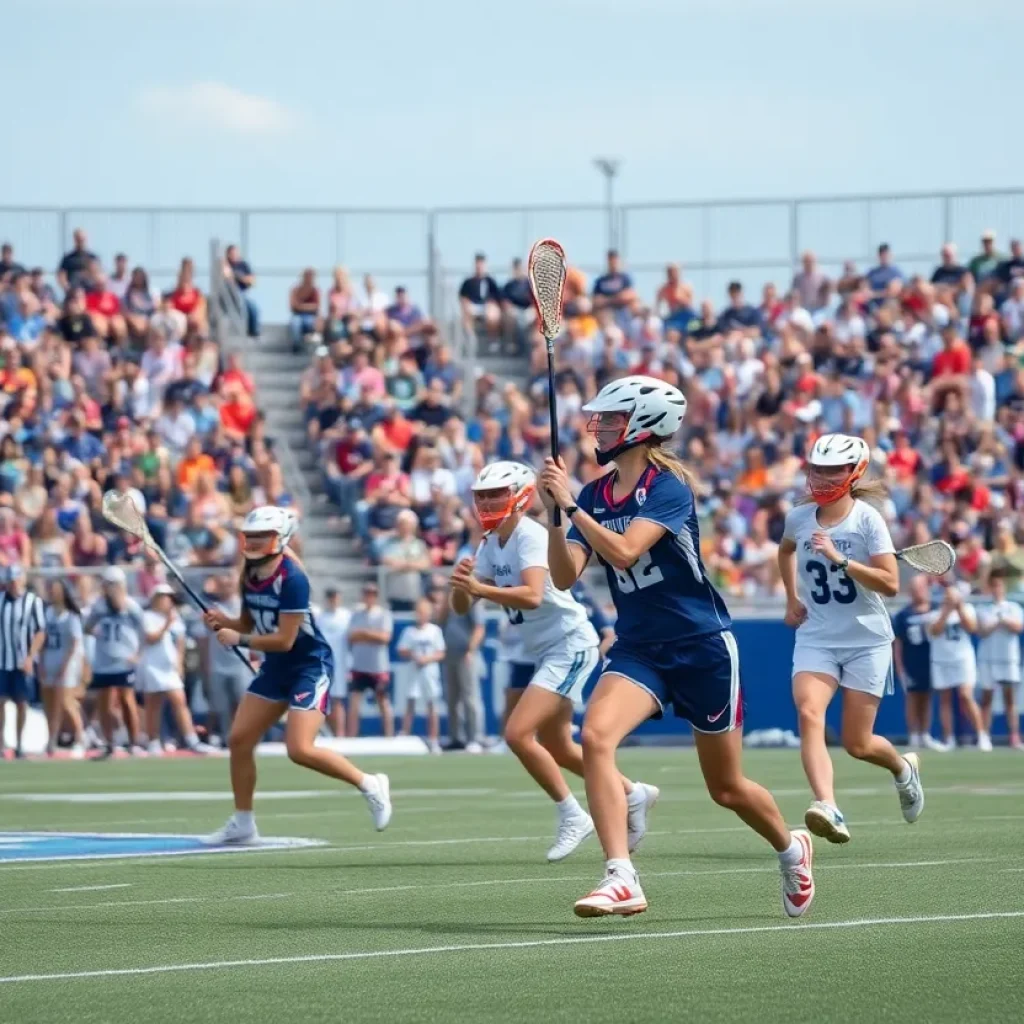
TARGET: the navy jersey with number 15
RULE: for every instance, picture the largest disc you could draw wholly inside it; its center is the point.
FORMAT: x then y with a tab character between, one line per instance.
665	595
287	591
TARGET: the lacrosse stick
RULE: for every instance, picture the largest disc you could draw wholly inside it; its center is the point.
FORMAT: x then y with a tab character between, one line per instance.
120	510
547	281
934	557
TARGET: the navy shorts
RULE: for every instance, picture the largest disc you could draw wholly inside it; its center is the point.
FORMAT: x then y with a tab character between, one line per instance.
16	686
304	688
360	682
519	675
921	683
700	679
108	680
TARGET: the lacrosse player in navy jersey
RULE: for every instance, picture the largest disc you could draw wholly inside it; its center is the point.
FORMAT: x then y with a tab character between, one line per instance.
673	645
296	674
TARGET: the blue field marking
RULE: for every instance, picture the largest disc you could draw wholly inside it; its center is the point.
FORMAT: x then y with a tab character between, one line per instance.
40	846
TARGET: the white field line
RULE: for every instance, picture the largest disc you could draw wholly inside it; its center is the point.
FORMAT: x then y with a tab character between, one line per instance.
791	929
206	795
488	882
93	888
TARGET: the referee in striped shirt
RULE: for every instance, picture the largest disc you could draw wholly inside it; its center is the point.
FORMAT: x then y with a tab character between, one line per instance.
22	635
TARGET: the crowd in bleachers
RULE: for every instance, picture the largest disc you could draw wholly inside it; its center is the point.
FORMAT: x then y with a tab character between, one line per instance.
106	383
927	369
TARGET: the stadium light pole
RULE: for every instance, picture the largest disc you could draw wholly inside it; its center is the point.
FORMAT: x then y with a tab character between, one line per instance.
609	168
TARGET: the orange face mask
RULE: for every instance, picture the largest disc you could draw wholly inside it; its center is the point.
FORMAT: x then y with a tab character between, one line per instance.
829	483
258	545
494	507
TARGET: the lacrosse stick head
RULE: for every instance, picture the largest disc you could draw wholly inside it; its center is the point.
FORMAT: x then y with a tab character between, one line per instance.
120	510
546	268
935	557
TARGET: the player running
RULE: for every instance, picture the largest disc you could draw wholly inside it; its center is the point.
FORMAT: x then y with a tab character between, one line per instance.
954	666
837	561
1000	625
912	655
673	645
511	569
296	674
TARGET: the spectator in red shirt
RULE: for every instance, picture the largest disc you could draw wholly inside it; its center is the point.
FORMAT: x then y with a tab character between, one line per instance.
103	306
234	375
188	299
904	460
237	412
954	360
394	433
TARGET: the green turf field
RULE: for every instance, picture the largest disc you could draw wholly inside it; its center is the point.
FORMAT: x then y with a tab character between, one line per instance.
454	915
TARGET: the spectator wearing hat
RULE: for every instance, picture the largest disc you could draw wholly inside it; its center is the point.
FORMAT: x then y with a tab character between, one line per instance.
983	266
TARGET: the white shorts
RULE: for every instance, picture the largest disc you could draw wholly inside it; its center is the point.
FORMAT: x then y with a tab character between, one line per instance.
998	673
566	673
952	674
159	680
422	687
868	669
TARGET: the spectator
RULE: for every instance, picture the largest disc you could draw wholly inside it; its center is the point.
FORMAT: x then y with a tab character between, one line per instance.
404	312
810	283
949	271
371	305
119	279
75	322
517	305
238	271
463	638
188	299
881	277
739	315
169	321
334	622
432	410
614	288
983	266
9	267
480	298
369	635
304	303
1011	270
406	558
341	306
422	646
73	267
138	304
15	544
1013	312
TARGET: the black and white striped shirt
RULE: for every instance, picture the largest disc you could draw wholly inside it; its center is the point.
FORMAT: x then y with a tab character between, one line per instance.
21	618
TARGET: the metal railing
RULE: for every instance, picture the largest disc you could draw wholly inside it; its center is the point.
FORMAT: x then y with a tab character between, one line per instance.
430	250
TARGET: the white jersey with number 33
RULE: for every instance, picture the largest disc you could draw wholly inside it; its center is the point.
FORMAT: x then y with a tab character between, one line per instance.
840	613
559	624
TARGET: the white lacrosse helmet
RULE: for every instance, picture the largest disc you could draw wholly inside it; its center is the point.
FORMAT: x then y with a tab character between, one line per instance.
649	408
836	463
511	485
266	531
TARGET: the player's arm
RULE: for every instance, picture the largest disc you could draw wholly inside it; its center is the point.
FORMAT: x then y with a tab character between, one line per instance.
154	637
880	575
787	568
935	628
526	597
607	639
282	639
989	626
1012	624
968	617
567	555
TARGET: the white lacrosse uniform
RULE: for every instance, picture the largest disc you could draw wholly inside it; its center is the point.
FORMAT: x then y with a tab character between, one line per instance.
847	633
999	652
423	682
556	637
159	669
952	651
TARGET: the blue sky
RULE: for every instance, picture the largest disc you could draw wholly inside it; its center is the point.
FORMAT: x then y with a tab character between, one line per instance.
311	102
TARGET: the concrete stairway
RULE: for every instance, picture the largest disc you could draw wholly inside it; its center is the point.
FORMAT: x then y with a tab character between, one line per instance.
330	556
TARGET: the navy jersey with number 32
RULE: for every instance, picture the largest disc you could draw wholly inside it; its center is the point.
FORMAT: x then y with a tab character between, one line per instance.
286	591
665	595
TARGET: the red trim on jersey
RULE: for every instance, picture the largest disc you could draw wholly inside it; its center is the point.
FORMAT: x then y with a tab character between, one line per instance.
608	483
281	570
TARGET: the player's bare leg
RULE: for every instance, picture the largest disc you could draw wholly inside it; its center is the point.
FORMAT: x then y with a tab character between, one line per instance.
556	737
859	739
300	741
336	717
946	718
152	711
536	708
1012	717
721	762
407	718
387	714
130	713
253	718
985	701
616	708
812	694
969	709
183	720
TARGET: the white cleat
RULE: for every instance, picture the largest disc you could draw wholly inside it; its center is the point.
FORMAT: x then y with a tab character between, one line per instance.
827	822
77	752
911	792
931	743
617	894
571	832
797	879
985	742
378	800
234	833
155	748
637	813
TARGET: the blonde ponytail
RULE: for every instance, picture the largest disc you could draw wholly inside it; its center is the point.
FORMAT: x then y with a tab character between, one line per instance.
668	462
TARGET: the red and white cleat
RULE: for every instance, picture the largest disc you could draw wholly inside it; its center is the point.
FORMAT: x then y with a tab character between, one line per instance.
797	879
617	894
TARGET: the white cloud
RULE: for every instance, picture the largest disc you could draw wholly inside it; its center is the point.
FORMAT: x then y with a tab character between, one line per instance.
206	105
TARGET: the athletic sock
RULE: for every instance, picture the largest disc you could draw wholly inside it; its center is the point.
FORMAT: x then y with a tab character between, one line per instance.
793	853
245	818
569	808
621	866
905	775
368	784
